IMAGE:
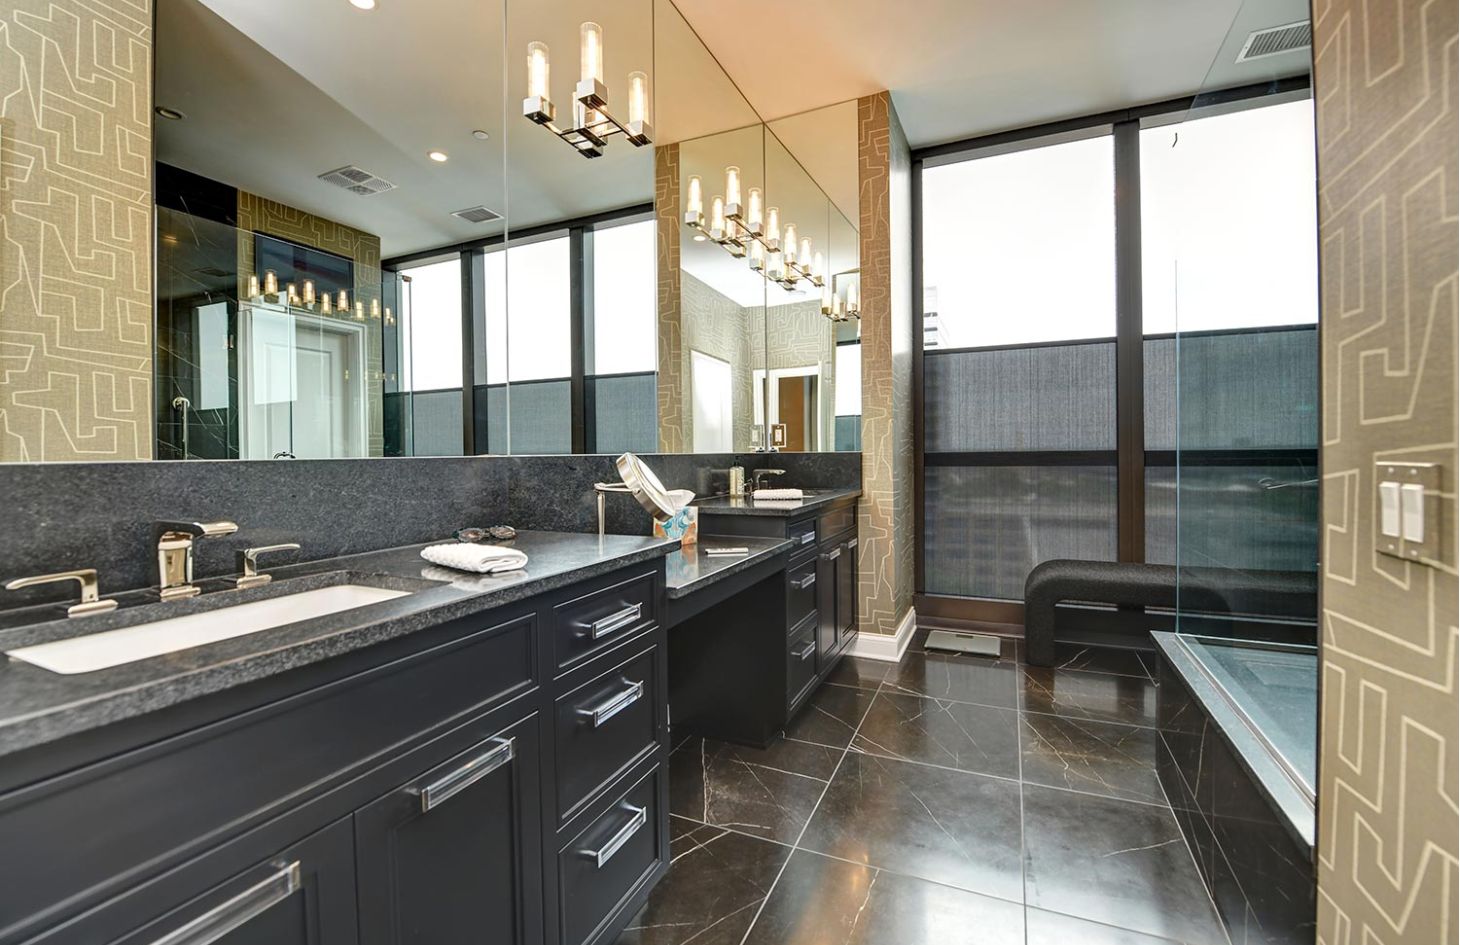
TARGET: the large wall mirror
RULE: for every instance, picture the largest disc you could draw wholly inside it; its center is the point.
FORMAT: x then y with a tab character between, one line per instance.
399	232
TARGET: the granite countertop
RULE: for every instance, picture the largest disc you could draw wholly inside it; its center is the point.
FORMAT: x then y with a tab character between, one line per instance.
38	706
745	505
690	569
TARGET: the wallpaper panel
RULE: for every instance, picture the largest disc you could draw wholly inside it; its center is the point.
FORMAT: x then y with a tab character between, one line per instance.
886	510
1385	83
75	230
673	419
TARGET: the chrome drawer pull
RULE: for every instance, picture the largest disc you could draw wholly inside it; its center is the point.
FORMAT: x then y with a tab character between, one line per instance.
615	621
625	833
833	554
241	909
808	538
448	786
805	582
615	704
852	543
806	652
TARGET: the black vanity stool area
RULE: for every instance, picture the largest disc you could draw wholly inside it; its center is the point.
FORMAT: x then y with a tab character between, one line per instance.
746	653
480	752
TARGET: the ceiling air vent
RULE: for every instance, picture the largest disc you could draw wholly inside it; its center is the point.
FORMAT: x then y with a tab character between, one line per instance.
1277	39
477	215
357	181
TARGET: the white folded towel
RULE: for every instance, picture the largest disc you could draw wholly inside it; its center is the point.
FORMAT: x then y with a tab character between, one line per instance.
774	494
483	559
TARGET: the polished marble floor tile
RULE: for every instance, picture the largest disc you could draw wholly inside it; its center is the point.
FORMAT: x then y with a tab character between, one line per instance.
1101	697
716	883
831	716
1097	757
820	901
861	673
946	826
1049	928
977	679
1100	659
959	735
729	786
1114	862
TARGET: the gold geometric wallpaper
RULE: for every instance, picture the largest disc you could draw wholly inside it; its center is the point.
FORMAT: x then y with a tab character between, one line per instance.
1389	803
885	246
673	418
75	230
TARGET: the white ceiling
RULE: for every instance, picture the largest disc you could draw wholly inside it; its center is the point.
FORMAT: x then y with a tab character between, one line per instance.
960	68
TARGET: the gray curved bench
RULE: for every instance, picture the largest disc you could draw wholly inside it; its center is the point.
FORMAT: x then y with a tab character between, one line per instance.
1206	590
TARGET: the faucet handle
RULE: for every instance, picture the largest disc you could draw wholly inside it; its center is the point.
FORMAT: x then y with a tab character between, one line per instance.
86	577
248	563
197	529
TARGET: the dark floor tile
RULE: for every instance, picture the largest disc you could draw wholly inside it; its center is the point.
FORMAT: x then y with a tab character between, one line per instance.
1051	928
1098	696
979	679
1100	659
942	732
716	883
729	786
1114	760
1114	862
820	900
947	826
831	716
861	673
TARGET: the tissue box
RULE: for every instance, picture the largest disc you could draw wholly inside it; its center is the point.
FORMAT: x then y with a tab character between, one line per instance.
684	525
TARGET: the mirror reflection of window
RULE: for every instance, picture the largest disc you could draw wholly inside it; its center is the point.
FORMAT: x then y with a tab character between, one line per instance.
622	364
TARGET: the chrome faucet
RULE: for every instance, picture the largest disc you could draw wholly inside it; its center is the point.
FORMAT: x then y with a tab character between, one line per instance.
175	554
755	476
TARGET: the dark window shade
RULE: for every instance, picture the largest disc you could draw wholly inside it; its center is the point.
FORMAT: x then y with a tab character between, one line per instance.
987	526
625	413
1230	520
541	419
1050	397
435	423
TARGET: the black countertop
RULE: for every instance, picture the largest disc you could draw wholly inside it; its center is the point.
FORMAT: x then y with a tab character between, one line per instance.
690	569
745	505
38	706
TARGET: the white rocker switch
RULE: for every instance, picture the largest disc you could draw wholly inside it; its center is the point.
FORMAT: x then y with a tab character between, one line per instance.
1389	509
1412	511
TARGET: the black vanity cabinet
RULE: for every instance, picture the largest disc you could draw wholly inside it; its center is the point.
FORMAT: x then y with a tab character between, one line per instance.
497	778
836	598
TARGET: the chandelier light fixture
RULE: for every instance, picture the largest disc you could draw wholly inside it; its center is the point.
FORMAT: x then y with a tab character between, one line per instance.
839	305
593	124
753	232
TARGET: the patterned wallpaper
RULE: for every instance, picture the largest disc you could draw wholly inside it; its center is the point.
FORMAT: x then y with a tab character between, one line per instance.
1385	84
260	215
886	511
75	230
673	420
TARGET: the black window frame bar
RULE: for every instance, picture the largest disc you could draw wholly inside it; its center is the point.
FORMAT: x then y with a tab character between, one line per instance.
1130	456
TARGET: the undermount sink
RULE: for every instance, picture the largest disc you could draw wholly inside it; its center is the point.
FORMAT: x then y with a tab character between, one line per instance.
108	648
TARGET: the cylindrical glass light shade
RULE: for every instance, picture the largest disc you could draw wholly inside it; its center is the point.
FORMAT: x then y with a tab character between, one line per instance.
590	49
271	282
308	291
325	307
816	264
695	202
805	253
717	217
732	184
790	243
253	286
757	255
773	224
638	96
537	70
753	213
343	301
775	265
851	296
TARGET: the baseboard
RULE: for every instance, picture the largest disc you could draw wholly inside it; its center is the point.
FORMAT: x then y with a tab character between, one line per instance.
883	646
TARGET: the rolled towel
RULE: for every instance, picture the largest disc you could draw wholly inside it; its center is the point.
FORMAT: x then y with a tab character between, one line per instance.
483	559
778	494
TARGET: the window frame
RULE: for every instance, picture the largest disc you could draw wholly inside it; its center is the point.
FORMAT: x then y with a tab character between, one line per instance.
1130	456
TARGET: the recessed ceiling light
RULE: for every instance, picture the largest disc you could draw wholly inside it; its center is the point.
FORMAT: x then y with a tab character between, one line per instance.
171	114
438	156
363	4
699	237
480	135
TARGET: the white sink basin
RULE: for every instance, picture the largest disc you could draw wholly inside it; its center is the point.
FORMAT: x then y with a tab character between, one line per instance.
109	648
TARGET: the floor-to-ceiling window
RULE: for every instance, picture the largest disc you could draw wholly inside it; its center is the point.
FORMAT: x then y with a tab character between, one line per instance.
1062	347
622	361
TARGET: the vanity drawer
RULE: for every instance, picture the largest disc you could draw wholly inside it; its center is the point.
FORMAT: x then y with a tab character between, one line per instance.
603	727
596	621
800	662
800	591
610	860
837	521
803	533
127	816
